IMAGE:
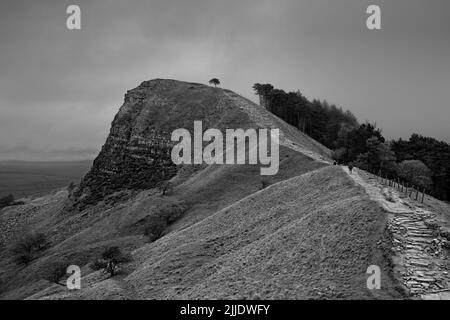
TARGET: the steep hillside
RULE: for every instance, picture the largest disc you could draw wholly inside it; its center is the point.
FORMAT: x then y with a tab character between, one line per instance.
312	236
309	237
118	195
136	154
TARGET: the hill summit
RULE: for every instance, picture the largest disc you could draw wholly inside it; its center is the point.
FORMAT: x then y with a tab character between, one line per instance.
137	152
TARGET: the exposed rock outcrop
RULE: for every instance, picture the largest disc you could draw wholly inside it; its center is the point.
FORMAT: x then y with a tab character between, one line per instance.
137	152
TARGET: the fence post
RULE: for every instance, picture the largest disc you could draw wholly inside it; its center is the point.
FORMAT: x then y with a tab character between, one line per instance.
423	194
417	193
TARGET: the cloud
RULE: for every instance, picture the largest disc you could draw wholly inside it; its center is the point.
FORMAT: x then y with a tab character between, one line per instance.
60	89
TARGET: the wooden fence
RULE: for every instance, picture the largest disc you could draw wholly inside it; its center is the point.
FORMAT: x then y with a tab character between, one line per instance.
407	188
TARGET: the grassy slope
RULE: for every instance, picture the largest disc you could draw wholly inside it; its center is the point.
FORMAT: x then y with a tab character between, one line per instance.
218	186
312	236
78	237
309	237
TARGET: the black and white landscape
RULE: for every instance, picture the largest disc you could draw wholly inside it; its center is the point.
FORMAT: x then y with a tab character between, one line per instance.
120	163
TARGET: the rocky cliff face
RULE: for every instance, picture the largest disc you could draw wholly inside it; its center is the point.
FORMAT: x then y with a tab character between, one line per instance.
136	154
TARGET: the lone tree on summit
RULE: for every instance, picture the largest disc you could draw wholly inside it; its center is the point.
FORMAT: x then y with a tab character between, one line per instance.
214	81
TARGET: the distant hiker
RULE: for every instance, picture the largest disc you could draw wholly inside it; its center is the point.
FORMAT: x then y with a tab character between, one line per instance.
334	163
350	167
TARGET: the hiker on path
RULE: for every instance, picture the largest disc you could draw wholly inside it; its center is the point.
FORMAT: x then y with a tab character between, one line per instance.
350	167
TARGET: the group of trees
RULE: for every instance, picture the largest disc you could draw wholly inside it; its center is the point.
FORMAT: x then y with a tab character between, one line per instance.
420	161
318	119
434	154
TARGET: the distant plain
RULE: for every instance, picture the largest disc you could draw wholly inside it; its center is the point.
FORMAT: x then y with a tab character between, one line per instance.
22	178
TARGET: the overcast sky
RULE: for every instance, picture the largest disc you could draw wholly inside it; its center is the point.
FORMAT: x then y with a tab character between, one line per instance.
60	89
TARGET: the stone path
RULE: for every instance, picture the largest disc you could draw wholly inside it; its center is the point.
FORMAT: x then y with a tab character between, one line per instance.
419	254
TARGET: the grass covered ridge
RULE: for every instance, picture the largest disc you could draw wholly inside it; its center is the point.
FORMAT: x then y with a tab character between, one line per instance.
312	236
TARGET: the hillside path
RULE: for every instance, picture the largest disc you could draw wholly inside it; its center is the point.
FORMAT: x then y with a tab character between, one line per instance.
419	255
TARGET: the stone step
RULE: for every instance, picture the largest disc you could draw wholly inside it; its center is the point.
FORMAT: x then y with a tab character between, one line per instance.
417	242
422	234
418	257
413	252
415	229
419	246
411	246
427	280
418	228
425	241
421	263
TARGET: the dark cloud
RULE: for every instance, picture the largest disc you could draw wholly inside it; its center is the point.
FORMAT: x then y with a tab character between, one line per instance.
60	89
